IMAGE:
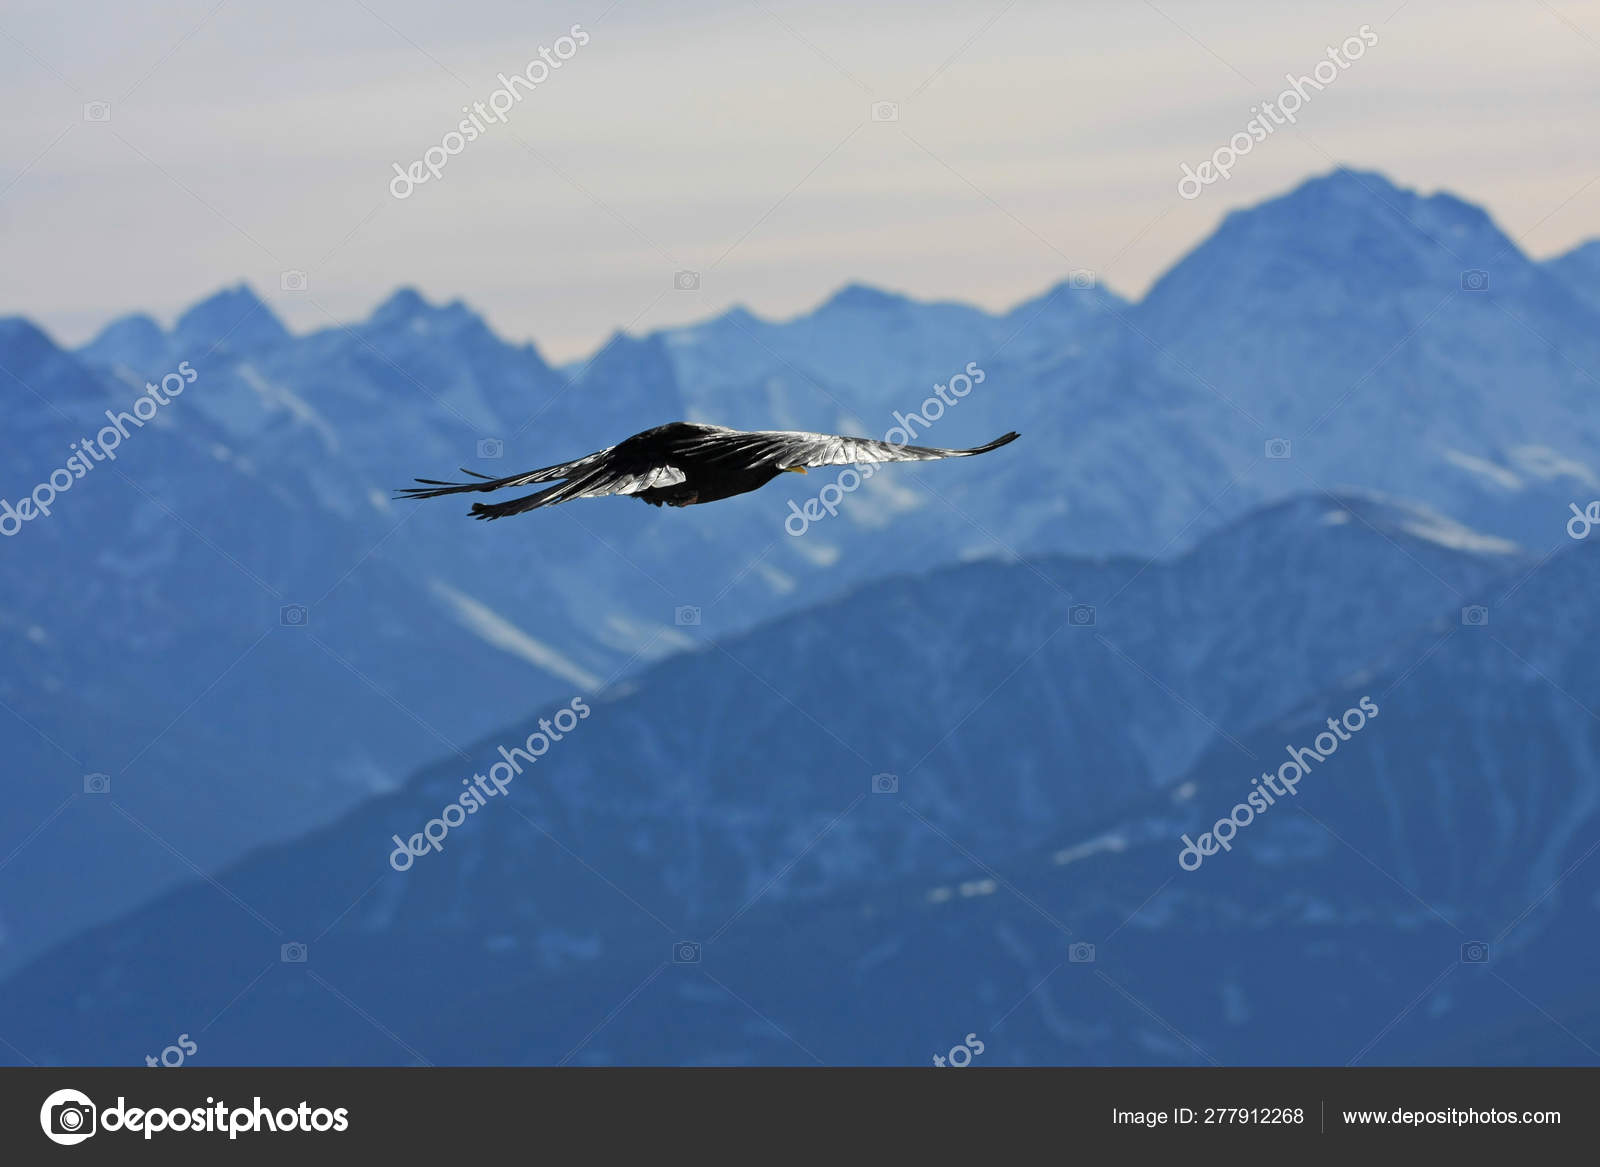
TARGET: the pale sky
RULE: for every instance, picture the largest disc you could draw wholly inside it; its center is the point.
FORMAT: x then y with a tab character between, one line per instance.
248	138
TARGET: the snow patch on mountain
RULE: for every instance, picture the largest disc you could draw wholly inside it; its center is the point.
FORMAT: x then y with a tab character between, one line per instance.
1490	472
495	629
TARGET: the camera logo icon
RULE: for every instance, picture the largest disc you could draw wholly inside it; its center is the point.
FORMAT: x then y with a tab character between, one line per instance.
97	111
885	111
1277	449
686	616
1081	953
292	281
294	616
293	953
886	784
686	281
97	783
1475	952
686	952
1081	615
1082	277
1475	280
68	1117
1475	616
491	448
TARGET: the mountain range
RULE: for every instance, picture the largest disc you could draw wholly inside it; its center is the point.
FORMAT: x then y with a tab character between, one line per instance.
1347	416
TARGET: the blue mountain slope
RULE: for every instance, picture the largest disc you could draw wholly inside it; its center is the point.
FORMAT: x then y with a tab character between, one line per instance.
1579	269
1399	342
184	620
724	798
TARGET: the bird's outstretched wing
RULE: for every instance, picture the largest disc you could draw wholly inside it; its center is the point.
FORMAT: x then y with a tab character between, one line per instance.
433	488
797	449
596	474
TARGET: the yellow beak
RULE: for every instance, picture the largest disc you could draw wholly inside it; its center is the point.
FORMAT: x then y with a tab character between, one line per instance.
795	469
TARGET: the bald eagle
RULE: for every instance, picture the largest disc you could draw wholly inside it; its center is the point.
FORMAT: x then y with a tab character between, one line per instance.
683	464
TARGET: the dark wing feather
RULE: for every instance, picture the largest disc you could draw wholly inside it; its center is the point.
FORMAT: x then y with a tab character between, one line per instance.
599	480
433	488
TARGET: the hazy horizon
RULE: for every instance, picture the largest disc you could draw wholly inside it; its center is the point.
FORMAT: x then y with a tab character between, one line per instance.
737	141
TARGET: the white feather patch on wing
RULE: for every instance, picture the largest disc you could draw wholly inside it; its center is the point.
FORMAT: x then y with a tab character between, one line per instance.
634	483
799	448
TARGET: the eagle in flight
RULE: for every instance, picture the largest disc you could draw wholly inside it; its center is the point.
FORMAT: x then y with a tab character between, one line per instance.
683	464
